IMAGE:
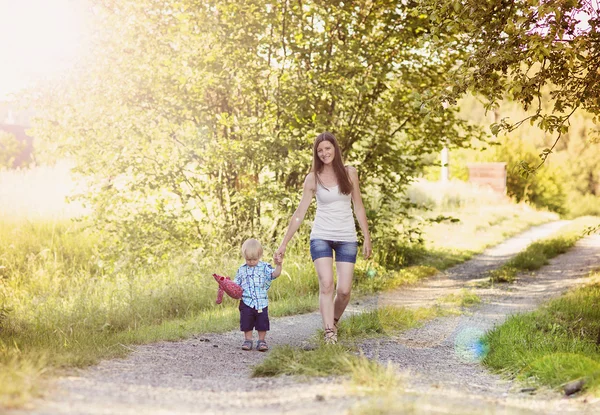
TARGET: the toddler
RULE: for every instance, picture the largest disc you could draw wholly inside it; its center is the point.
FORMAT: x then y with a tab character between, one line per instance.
255	278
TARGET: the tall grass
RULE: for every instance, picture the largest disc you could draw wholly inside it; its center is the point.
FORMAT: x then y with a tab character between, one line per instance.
60	308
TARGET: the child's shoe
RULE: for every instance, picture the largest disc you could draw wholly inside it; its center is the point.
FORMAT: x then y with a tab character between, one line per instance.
261	346
247	345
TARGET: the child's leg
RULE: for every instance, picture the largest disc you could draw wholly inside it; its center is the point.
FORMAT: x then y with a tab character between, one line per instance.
246	320
246	325
262	323
248	335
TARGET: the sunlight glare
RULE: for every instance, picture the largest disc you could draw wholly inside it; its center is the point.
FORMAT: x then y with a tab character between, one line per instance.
39	39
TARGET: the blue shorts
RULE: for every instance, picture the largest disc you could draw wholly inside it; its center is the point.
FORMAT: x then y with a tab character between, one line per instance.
344	251
251	319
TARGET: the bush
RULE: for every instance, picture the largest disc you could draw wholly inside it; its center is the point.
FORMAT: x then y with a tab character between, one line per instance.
10	149
583	205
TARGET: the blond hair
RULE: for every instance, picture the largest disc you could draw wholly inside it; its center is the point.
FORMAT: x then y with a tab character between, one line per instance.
252	249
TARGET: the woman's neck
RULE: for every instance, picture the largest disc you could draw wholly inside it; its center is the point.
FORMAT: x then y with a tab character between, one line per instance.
327	176
327	169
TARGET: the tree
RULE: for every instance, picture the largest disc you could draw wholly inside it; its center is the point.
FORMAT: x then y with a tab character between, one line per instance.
10	149
194	120
525	50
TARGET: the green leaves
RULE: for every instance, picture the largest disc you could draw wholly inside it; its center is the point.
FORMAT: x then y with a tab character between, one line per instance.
195	120
522	49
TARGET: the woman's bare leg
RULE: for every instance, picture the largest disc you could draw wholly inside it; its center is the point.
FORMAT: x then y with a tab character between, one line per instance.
345	273
324	268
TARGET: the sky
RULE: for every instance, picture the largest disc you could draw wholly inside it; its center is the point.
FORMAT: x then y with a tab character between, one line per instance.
39	39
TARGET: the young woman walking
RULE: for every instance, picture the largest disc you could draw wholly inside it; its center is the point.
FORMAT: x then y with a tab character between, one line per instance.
336	189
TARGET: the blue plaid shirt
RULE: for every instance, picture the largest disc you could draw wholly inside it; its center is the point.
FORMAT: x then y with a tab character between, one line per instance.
255	281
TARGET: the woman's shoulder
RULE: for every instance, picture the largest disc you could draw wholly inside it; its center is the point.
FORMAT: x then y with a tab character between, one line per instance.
309	181
351	170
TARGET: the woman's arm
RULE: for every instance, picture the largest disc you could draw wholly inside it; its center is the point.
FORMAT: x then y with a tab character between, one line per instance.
359	211
298	216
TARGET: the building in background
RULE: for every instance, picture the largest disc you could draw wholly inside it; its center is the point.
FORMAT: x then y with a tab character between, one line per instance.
492	175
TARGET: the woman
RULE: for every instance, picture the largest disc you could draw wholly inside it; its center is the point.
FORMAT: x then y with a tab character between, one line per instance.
336	188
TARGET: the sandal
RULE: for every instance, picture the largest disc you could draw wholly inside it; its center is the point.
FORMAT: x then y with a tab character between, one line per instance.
261	346
330	336
247	345
335	324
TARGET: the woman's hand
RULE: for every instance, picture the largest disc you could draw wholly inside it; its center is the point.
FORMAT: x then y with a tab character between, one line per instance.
367	249
279	254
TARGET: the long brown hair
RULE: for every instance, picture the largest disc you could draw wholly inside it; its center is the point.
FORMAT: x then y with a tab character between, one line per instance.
344	183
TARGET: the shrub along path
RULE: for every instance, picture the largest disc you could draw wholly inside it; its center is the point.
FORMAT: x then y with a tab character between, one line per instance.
210	374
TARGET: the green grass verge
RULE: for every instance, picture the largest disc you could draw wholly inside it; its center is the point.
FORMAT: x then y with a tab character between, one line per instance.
340	359
330	360
554	345
538	253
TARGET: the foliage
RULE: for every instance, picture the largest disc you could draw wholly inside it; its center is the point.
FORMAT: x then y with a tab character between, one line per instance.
10	149
522	50
194	120
574	159
543	189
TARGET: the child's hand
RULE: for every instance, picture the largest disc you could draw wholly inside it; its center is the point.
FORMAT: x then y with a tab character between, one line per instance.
278	258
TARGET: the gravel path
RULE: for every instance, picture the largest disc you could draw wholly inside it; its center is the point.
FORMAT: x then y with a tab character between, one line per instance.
441	374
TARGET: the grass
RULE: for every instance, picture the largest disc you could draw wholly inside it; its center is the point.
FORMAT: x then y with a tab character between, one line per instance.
339	359
464	298
537	254
322	361
556	344
385	320
365	375
62	307
59	308
371	377
370	278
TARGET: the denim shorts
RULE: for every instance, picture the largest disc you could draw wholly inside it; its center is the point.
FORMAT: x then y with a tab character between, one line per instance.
344	251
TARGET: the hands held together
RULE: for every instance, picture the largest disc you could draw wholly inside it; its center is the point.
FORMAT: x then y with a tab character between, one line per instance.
278	255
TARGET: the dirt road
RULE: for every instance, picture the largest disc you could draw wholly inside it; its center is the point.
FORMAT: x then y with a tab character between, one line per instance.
437	362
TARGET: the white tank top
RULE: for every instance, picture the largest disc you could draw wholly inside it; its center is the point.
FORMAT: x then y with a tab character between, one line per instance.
334	220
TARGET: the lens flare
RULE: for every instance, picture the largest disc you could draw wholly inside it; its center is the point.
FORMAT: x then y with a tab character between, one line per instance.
469	346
